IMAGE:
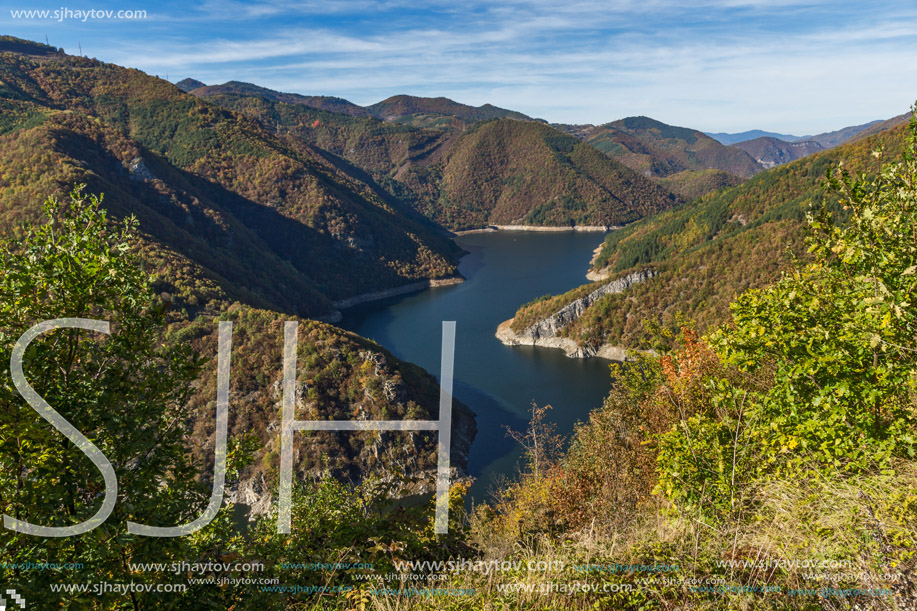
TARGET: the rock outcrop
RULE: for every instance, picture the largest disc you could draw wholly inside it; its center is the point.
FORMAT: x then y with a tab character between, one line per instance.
546	332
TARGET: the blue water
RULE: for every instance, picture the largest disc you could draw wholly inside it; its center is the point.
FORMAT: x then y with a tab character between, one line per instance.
503	271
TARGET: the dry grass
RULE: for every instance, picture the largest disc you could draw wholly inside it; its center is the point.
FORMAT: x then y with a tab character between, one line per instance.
864	528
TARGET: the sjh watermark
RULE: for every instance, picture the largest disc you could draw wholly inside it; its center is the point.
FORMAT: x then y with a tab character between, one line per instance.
67	14
11	597
289	426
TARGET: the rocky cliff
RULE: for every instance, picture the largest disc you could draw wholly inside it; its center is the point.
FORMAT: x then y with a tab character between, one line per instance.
546	333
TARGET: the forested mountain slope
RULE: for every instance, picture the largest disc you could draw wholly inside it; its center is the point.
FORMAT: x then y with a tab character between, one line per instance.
238	224
275	223
656	149
465	175
708	251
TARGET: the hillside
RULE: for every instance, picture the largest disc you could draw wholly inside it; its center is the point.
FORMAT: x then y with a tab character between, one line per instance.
344	377
319	102
235	222
420	112
706	252
740	456
189	84
512	172
684	161
691	184
385	150
770	152
277	225
495	172
655	149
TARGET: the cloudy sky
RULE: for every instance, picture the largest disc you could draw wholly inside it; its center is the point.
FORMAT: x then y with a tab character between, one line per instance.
791	66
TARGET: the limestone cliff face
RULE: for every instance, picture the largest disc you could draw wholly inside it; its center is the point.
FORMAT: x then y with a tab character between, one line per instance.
546	332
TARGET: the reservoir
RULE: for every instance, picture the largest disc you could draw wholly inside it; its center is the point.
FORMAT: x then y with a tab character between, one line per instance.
504	269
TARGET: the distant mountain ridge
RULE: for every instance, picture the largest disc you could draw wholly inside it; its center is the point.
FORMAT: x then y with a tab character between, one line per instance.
880	126
330	103
657	149
425	111
836	138
684	161
189	84
398	106
730	138
394	109
825	140
771	150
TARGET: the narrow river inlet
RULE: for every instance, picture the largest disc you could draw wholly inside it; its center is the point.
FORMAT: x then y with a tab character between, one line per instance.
503	270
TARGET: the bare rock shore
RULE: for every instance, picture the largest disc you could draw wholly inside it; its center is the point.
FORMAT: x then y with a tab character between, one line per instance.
546	332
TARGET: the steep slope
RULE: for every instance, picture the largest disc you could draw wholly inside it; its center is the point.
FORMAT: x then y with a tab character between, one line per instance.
770	152
513	172
294	228
342	376
458	175
706	252
240	225
386	150
691	184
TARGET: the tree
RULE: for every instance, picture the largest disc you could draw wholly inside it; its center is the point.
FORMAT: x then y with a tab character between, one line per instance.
126	392
836	340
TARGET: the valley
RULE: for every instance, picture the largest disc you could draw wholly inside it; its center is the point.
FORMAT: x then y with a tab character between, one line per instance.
674	348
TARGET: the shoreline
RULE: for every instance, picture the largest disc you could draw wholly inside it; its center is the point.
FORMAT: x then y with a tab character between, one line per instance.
342	304
546	332
597	275
491	228
404	289
571	349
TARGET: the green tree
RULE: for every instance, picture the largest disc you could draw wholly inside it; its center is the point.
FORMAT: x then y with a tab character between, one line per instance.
126	392
836	341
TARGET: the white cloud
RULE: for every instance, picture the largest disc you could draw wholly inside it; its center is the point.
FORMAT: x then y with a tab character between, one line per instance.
577	61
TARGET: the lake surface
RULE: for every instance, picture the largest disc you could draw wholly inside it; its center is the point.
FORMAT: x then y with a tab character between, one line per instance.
503	270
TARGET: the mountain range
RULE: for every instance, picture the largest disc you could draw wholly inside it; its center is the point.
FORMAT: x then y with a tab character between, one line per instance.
728	138
461	166
683	161
825	140
698	257
265	206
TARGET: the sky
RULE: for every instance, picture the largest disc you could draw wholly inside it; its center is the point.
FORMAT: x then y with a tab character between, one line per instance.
791	66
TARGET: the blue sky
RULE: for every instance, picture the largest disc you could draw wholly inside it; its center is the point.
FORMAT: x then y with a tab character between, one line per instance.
790	66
